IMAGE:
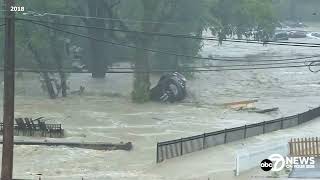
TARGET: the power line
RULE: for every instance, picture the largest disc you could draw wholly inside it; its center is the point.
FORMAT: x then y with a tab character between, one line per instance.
32	13
126	31
100	28
159	34
280	43
227	66
299	44
191	68
156	71
248	57
315	63
150	50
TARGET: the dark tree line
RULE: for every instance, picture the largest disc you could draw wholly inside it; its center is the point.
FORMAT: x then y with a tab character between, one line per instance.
48	48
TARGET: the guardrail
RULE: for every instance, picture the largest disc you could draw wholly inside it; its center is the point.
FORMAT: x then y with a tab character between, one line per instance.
179	147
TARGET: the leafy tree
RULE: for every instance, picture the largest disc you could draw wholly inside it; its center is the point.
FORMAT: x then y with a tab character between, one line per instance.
99	55
164	16
296	10
244	16
44	48
191	17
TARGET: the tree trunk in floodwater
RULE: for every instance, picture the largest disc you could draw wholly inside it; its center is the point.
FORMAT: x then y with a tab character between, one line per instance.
49	86
141	85
45	75
63	80
59	62
97	61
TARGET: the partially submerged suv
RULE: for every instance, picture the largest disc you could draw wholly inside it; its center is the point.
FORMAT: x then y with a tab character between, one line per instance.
170	88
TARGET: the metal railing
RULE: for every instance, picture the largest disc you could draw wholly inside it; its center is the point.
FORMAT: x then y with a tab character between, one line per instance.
50	130
179	147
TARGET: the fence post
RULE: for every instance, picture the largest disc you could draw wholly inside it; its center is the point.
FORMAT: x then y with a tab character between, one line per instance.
317	145
264	127
298	142
281	123
225	136
237	165
299	119
157	152
60	130
290	148
181	148
204	141
245	132
306	153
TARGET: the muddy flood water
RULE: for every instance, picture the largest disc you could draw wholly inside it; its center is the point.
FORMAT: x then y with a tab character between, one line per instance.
105	113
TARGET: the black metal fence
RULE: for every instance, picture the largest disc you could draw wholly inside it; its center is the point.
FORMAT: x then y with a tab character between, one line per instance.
179	147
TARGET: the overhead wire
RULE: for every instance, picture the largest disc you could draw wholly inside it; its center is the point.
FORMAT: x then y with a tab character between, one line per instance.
33	13
312	64
159	51
190	68
228	66
175	54
297	44
157	71
196	68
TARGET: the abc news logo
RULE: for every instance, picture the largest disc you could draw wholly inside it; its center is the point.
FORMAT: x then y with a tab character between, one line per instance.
266	165
277	162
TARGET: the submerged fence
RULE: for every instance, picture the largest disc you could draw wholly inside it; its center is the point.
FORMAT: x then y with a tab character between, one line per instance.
305	147
179	147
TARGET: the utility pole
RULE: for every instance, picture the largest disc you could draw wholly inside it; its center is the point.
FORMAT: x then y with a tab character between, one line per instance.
8	97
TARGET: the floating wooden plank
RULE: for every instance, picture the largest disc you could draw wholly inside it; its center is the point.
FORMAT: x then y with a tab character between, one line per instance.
241	104
90	145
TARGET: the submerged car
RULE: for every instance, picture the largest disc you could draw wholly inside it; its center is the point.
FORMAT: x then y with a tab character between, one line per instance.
315	35
278	36
170	88
297	34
